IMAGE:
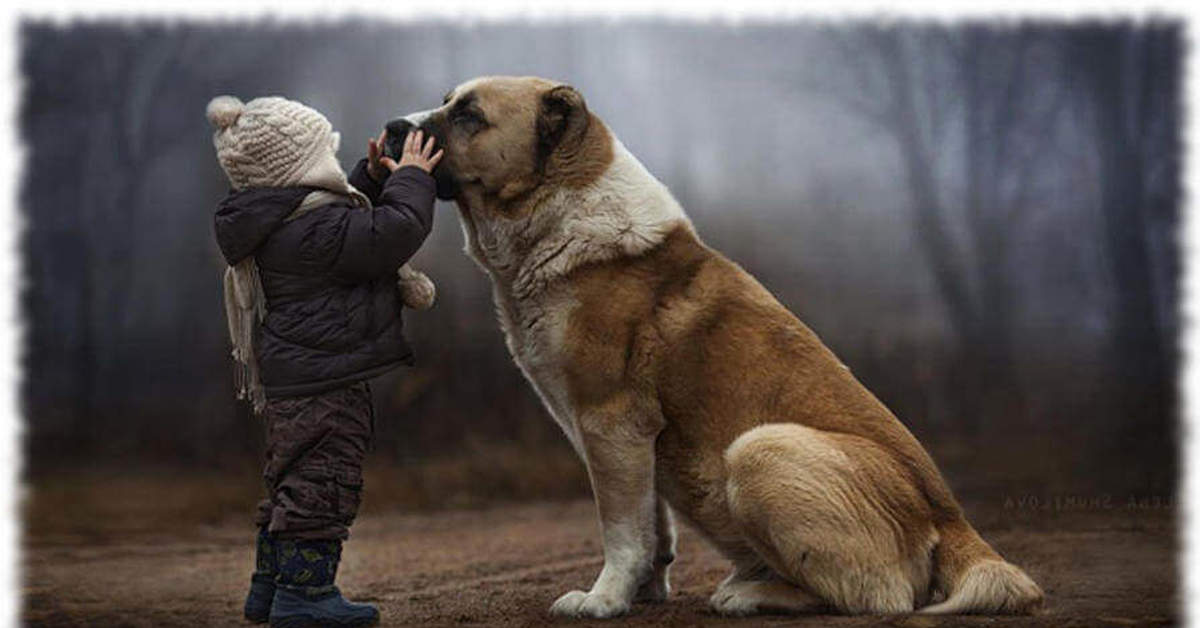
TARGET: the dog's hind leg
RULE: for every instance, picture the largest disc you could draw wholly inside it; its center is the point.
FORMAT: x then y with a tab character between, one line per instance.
756	589
833	515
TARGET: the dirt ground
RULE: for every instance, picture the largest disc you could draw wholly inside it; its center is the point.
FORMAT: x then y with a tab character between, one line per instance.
1100	563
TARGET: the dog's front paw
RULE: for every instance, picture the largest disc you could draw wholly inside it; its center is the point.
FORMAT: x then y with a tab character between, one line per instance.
594	605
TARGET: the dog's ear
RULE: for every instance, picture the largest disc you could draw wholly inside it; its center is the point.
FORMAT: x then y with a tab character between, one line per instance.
561	123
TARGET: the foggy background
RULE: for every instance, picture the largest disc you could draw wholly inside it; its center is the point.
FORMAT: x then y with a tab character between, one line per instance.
977	218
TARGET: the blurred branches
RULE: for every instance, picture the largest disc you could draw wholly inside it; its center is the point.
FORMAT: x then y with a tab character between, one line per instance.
998	96
1128	83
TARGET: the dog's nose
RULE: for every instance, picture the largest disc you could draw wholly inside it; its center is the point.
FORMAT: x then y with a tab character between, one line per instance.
399	127
397	130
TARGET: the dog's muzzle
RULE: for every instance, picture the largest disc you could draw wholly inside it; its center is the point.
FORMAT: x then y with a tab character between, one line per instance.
393	146
399	128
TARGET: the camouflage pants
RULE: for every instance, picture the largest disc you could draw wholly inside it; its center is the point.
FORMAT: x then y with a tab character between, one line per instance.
315	451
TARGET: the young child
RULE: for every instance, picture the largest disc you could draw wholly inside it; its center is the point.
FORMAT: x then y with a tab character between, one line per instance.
314	311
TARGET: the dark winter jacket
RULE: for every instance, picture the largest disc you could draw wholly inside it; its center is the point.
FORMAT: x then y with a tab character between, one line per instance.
329	277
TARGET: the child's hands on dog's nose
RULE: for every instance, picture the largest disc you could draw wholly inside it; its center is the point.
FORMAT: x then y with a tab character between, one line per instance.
374	152
417	152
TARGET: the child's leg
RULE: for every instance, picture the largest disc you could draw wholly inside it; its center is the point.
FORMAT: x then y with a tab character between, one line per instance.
314	474
316	447
262	582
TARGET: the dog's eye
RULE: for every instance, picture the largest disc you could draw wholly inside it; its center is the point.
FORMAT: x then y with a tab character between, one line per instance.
468	119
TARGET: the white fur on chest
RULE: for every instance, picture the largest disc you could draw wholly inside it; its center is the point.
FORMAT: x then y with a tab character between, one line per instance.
624	213
535	333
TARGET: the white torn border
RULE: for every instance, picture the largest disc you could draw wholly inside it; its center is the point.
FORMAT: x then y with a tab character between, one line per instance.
300	11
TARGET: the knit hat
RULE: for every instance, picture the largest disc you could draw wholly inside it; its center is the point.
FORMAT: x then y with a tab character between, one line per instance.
274	142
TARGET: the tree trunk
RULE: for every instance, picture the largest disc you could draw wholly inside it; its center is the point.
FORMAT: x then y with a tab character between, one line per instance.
1139	364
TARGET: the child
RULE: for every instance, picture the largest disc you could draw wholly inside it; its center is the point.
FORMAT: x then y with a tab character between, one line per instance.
314	311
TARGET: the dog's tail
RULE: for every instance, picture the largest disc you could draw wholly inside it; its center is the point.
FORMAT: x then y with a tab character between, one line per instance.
976	579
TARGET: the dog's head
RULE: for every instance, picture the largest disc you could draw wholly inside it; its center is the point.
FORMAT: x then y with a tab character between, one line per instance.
505	137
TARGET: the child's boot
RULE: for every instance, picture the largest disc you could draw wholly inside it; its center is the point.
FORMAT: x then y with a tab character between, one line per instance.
305	596
262	581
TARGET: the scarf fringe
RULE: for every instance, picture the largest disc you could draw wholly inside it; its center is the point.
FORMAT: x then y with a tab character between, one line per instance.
245	307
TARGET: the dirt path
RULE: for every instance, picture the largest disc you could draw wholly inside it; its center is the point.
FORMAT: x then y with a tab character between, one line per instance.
504	566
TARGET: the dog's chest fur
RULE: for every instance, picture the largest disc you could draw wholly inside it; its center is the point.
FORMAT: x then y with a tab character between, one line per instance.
535	331
532	260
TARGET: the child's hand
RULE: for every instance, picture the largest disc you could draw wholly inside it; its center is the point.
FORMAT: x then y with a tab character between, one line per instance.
414	154
374	152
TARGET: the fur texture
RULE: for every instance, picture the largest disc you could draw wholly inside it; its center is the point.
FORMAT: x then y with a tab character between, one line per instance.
681	381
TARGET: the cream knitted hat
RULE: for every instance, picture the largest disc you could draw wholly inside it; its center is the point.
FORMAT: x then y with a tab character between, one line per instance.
270	141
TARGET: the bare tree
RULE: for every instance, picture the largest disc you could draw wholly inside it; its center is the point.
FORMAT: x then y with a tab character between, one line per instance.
1127	80
972	91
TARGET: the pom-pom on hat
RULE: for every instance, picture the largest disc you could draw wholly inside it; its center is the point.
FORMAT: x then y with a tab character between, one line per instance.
270	141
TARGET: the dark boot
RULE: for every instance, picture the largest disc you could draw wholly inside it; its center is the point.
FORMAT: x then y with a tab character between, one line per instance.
262	582
305	596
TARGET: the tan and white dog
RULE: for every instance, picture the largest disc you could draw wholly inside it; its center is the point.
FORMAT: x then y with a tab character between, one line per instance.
686	387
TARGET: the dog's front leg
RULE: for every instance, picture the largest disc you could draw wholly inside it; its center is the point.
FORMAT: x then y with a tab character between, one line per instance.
659	586
620	460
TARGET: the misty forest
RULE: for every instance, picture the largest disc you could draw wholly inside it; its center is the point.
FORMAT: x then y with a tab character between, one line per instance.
979	219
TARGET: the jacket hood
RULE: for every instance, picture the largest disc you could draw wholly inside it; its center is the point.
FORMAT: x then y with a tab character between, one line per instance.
246	218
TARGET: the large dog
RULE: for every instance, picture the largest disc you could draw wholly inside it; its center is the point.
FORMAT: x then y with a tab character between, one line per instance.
685	386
